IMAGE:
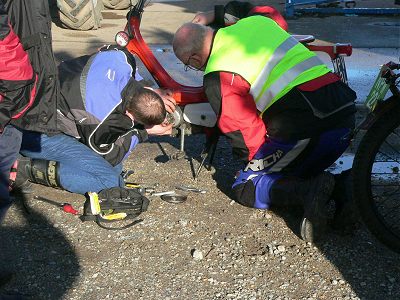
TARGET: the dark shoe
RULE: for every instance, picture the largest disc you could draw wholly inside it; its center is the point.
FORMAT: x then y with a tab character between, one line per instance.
346	217
25	188
314	221
313	194
20	184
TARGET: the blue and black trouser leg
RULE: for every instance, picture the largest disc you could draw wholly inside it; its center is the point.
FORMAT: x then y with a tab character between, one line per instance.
287	174
278	165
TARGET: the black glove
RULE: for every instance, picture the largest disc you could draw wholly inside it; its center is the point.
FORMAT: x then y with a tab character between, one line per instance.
130	201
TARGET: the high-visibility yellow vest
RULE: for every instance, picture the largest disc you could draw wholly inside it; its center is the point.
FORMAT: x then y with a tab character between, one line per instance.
269	58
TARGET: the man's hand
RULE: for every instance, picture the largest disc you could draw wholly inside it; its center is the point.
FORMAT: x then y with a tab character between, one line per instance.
169	101
204	18
162	129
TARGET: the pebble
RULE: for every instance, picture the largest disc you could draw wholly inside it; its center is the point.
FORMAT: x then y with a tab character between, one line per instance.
197	254
392	280
281	248
183	223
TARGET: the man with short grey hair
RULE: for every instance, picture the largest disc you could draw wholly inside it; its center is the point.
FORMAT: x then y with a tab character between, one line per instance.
288	117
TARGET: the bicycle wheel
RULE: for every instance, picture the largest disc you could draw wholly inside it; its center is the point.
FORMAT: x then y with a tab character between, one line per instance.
376	178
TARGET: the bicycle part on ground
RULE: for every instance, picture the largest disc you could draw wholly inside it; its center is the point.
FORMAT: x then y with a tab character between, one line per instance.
174	198
313	193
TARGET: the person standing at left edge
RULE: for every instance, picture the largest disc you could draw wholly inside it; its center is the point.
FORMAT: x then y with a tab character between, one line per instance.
29	87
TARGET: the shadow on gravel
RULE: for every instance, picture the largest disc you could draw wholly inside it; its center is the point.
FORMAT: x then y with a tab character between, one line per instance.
368	267
371	270
39	257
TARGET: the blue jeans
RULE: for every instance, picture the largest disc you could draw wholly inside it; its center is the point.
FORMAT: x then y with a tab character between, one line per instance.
81	170
10	143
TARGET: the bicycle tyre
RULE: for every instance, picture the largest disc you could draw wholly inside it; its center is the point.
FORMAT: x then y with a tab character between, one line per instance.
362	169
80	14
118	4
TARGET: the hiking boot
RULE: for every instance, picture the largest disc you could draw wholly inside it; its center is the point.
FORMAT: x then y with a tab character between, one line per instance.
314	221
313	193
346	217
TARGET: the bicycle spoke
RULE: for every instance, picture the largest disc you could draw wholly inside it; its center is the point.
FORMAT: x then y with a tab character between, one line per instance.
385	142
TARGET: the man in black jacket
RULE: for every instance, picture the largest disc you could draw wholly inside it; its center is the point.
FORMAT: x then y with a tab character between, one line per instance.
103	114
28	80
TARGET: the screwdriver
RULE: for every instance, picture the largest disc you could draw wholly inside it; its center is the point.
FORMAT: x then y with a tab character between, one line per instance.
66	207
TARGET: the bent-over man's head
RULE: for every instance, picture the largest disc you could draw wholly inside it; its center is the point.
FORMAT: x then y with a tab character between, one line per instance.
145	105
192	44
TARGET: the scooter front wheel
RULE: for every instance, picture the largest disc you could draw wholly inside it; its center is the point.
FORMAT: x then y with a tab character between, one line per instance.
376	178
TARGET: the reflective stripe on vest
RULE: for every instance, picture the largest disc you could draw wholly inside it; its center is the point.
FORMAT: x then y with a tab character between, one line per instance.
266	56
266	98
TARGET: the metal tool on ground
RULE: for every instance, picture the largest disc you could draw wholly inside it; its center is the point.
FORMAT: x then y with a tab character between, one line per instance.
190	189
141	187
66	207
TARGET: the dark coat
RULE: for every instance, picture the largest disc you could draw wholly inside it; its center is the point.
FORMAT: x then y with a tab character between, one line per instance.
31	22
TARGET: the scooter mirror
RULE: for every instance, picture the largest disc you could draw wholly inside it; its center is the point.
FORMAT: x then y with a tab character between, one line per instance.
122	38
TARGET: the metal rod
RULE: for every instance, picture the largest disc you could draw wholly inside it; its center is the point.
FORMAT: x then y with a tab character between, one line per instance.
182	148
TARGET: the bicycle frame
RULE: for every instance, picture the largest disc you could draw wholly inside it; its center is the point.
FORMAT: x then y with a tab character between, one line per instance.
184	94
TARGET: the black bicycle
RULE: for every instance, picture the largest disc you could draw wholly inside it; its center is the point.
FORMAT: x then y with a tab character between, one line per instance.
376	175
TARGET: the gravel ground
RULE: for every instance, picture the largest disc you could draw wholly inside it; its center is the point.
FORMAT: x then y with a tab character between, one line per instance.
205	248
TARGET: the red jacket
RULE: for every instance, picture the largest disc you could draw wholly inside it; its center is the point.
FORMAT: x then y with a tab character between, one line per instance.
228	93
17	79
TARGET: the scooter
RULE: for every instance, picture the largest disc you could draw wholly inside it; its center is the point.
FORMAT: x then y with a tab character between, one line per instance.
194	114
